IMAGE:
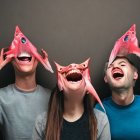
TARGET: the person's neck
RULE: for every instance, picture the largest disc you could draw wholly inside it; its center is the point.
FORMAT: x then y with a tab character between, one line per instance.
73	110
26	83
123	98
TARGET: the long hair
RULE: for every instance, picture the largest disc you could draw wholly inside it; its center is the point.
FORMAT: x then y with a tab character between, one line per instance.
55	115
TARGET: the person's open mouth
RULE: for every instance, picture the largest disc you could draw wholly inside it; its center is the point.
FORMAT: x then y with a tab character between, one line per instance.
74	76
24	56
117	73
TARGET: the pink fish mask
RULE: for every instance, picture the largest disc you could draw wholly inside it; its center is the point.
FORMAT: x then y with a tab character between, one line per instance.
127	44
75	73
22	48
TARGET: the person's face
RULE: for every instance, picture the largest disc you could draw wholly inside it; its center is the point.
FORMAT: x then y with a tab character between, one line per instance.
25	64
120	74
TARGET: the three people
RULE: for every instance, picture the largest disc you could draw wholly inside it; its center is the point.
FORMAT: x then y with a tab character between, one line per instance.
71	113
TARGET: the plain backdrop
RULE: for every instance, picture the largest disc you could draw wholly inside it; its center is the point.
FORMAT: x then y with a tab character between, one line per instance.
70	31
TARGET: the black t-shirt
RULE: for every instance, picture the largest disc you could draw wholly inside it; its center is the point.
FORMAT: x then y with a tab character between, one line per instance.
78	130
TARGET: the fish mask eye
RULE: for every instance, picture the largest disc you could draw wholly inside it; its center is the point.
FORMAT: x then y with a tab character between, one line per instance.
23	40
126	38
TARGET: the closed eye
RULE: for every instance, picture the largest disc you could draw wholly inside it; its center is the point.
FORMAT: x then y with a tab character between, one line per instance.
123	65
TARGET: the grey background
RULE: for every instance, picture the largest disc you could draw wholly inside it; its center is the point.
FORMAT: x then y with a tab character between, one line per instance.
70	31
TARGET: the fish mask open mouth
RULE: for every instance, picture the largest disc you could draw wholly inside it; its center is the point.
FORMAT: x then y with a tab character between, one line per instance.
75	74
23	50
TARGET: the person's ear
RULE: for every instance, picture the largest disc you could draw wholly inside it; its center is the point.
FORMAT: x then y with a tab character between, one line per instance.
135	75
105	79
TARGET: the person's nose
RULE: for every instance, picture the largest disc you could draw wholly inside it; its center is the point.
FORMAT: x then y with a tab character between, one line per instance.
114	65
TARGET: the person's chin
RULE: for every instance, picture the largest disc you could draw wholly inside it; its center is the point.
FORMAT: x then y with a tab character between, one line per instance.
25	69
25	65
75	86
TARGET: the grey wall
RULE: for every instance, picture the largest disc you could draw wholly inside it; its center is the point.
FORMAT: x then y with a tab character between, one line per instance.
70	31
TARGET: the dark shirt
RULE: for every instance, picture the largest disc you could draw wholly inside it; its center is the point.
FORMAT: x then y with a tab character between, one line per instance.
76	130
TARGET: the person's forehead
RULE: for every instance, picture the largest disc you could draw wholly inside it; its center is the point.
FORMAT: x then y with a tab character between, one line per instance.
121	59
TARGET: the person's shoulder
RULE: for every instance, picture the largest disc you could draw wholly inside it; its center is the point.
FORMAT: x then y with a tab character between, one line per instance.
99	114
6	87
6	90
137	96
137	99
101	117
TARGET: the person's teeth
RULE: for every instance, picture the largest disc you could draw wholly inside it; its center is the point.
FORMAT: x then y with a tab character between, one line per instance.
24	54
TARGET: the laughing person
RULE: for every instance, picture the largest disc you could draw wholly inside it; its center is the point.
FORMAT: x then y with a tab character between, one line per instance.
123	107
22	101
70	114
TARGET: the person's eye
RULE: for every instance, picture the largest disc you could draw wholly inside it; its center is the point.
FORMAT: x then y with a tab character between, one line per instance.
123	65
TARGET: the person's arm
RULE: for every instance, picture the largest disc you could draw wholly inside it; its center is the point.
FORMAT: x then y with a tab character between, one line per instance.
105	134
39	128
103	125
37	132
1	122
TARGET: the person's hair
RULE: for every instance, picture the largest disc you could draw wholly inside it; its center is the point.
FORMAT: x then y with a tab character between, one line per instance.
55	115
105	68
